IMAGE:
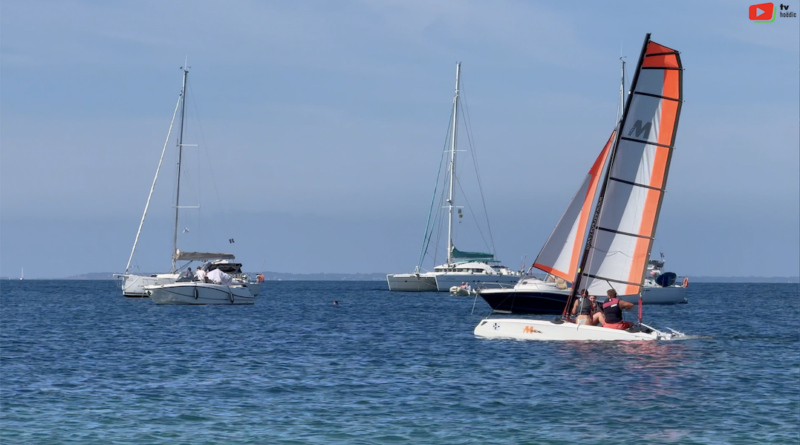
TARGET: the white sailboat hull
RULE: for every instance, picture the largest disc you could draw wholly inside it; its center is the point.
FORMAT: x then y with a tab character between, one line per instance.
409	282
659	295
196	293
544	330
134	285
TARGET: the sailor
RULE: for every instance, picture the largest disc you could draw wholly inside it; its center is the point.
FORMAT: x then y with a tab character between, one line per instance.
612	311
200	274
587	311
463	285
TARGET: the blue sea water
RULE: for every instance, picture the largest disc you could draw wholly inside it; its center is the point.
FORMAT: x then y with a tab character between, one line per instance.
79	363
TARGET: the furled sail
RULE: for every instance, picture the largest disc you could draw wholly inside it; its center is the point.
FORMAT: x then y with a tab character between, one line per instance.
455	253
560	254
194	256
637	176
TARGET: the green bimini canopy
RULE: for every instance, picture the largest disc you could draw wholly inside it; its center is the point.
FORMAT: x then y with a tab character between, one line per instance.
455	253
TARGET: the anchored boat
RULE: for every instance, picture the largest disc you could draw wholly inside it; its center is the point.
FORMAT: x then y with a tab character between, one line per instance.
479	269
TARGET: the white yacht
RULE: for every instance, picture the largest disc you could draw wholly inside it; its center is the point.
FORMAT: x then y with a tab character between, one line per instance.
226	285
139	285
479	269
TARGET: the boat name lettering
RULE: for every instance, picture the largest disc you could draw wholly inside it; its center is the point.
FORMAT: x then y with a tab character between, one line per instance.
531	330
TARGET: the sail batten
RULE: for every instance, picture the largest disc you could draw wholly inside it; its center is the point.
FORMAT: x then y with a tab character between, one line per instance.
637	175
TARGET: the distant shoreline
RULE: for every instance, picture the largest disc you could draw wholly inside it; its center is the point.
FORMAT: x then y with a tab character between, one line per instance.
282	276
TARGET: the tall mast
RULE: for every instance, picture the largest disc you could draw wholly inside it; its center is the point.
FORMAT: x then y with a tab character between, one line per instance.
621	104
610	162
452	169
180	153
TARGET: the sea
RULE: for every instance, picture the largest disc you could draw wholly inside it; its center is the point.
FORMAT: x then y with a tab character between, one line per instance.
81	364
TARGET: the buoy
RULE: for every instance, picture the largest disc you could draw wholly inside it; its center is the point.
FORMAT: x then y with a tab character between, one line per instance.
685	281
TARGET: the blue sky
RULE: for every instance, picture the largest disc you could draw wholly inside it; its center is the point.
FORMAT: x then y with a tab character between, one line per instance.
320	127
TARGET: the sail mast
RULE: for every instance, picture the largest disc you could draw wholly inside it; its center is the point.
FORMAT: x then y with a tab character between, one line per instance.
178	180
452	170
599	206
621	103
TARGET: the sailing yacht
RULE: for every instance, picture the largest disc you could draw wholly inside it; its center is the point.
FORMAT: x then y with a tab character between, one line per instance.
22	274
480	270
618	244
137	285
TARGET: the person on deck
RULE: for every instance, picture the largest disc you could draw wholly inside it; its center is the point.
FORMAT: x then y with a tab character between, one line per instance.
612	311
186	275
200	274
587	311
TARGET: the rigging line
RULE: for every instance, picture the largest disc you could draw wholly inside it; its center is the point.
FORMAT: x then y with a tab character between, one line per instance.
425	239
473	153
440	209
225	220
473	214
440	226
152	187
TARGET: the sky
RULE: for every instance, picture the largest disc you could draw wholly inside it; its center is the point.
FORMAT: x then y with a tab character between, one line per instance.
319	128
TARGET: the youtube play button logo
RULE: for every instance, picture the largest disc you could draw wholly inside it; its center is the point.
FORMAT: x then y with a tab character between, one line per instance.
762	12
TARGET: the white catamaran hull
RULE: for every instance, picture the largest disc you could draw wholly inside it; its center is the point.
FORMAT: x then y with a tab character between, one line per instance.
195	293
526	329
409	282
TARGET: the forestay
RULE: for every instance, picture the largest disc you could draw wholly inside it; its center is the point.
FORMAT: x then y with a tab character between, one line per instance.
638	175
560	254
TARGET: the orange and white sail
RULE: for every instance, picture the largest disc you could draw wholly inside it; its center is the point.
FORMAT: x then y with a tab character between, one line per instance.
562	251
637	176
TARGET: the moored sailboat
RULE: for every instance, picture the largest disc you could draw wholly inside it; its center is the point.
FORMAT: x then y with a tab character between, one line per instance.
479	269
619	240
138	285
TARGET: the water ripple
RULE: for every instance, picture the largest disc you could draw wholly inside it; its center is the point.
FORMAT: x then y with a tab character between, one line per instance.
81	364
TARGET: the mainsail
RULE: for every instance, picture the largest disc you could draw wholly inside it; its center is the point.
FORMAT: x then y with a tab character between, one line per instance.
560	254
636	179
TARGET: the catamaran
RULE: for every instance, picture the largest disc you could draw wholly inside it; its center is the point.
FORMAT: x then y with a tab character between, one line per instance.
620	238
480	270
138	285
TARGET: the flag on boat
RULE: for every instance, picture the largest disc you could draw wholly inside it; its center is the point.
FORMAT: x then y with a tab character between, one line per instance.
230	241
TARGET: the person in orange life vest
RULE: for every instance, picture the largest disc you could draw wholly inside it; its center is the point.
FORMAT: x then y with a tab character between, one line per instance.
612	310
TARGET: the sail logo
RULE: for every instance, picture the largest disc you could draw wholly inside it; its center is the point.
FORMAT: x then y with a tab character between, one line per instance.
640	129
767	12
